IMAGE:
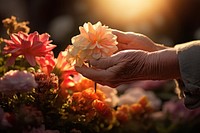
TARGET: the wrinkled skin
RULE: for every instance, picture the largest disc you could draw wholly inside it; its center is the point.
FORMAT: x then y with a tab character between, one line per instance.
131	40
129	65
115	70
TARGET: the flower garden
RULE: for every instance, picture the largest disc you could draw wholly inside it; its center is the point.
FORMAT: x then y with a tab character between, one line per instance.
40	93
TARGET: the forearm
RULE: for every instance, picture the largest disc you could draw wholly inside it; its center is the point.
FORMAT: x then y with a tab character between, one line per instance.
163	64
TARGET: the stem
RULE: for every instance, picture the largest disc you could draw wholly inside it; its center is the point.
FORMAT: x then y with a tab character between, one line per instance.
95	84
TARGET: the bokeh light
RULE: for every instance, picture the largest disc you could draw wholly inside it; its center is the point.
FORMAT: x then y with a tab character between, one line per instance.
122	11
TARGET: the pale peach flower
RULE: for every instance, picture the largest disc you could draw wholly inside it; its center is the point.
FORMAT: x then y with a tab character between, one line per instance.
17	81
29	45
111	95
93	42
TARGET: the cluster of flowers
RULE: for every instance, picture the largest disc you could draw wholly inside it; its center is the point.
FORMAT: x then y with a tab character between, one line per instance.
41	93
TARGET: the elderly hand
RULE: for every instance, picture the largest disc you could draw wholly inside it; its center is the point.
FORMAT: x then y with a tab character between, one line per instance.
129	65
131	40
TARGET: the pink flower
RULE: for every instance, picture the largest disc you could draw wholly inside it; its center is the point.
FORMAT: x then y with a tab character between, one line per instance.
93	42
65	70
46	63
17	81
30	46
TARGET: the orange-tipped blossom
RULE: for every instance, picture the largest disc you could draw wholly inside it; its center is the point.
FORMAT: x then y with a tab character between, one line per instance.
65	71
82	84
136	109
143	101
89	94
123	114
103	109
30	46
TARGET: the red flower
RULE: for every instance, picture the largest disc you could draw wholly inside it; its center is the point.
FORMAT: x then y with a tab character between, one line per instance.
30	46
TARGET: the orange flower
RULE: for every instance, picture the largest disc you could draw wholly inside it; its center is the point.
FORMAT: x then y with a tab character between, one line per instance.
30	46
136	109
66	72
143	101
82	84
82	101
89	94
145	104
93	42
102	108
123	114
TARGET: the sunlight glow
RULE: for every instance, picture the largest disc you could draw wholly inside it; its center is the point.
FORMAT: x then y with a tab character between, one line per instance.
125	10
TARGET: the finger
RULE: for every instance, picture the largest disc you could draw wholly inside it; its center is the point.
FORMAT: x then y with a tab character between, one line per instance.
124	46
107	84
103	63
124	37
93	74
121	36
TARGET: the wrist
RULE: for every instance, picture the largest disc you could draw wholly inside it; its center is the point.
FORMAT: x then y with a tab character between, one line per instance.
160	47
163	64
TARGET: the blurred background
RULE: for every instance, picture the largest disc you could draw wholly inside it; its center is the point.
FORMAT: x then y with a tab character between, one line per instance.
165	21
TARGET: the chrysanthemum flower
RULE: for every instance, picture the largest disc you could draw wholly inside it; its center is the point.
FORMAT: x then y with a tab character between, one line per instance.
93	42
46	63
30	46
17	81
123	113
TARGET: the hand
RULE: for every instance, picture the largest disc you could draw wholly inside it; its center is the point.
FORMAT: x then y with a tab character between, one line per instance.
131	40
129	65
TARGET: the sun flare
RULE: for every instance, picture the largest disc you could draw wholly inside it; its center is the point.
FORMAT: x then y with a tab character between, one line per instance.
125	10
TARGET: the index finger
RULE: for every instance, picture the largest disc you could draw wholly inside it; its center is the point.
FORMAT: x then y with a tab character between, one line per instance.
92	73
